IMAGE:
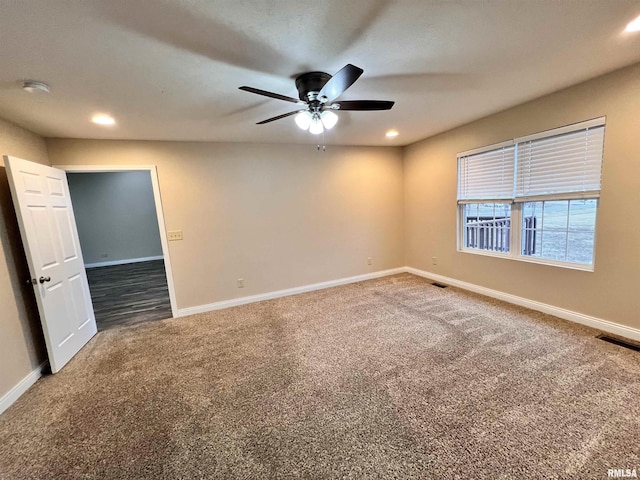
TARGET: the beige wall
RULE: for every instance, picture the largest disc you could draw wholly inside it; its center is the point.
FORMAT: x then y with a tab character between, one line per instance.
278	216
611	292
21	341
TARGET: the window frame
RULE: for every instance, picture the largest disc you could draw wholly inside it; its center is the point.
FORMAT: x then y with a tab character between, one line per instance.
517	205
516	238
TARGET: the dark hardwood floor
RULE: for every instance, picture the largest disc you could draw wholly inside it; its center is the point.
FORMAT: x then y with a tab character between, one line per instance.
129	294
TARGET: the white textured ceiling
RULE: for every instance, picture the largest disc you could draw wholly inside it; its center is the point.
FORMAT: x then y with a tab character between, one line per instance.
170	70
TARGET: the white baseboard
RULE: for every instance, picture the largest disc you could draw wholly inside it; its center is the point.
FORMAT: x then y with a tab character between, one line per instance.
12	395
605	325
572	316
122	262
183	312
599	323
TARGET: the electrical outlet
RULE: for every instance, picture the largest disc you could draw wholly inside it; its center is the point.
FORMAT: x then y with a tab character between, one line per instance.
174	235
434	260
369	261
241	283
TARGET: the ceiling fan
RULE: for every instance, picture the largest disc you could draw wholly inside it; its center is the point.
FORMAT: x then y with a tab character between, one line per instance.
317	93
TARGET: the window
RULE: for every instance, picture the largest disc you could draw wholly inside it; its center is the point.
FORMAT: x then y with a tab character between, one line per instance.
487	226
546	185
559	230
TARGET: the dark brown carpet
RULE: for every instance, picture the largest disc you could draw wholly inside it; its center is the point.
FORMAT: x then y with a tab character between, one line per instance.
389	378
124	295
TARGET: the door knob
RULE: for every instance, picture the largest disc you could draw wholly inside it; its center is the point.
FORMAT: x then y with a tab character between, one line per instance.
44	279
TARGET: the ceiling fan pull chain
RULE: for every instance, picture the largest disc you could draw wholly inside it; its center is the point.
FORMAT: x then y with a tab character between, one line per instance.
321	144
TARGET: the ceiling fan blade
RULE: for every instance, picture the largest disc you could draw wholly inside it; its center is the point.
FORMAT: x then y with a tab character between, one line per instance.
284	115
364	105
270	94
339	83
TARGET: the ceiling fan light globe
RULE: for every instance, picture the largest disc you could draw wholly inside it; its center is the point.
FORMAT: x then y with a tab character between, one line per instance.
303	120
316	126
329	119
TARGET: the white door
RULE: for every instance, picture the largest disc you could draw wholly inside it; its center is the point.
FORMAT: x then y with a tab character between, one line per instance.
50	238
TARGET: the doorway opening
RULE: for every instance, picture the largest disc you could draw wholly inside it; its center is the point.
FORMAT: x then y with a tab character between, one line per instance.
122	236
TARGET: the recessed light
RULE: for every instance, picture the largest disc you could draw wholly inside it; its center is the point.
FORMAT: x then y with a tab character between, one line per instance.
33	86
103	119
392	133
634	25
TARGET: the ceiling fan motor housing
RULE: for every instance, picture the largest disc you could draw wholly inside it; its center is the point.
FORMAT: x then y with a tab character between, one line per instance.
309	84
318	91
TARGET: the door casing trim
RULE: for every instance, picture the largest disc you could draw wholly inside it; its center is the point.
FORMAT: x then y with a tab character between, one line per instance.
153	172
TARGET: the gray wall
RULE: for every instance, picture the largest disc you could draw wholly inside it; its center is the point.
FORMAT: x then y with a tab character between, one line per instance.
116	216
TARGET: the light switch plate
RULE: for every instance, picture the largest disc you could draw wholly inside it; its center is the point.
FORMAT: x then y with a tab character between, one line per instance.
175	235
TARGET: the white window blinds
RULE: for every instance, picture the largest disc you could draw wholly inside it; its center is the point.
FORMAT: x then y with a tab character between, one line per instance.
487	174
560	162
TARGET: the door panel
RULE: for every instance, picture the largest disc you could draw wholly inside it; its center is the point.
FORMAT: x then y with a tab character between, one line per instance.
54	297
40	224
77	298
55	187
65	229
50	238
32	184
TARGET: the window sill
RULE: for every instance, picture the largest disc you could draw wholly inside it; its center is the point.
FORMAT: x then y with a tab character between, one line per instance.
521	258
